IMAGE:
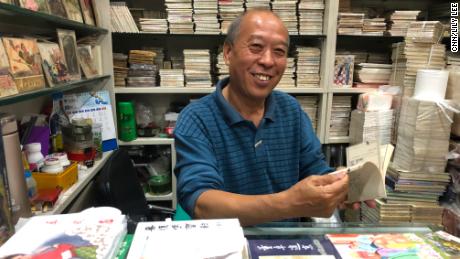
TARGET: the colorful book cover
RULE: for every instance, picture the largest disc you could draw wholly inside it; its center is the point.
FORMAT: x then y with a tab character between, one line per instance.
7	84
68	44
87	62
35	5
72	8
25	63
53	63
87	11
290	248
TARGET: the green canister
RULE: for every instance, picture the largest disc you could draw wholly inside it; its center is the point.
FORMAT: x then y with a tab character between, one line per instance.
126	121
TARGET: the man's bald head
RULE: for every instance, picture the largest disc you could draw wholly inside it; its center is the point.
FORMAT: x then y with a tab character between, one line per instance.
234	28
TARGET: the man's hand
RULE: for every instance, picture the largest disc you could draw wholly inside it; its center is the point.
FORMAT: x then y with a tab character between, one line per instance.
318	196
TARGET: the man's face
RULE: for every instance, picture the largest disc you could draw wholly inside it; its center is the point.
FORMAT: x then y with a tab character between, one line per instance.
257	58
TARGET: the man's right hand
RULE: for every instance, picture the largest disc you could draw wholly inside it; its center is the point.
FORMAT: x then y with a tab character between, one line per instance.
318	196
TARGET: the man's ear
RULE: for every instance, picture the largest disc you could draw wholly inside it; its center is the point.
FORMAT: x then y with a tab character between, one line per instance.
227	51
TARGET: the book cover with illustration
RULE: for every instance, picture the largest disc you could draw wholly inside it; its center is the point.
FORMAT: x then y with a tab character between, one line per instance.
35	5
53	63
7	84
93	233
87	61
25	63
317	246
72	8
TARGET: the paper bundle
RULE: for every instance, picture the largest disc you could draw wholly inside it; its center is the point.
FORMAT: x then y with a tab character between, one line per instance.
229	11
222	68
309	105
120	68
179	16
286	10
372	73
171	77
257	4
399	21
205	17
374	27
370	126
197	65
311	14
142	70
340	116
288	81
425	32
350	23
308	65
153	25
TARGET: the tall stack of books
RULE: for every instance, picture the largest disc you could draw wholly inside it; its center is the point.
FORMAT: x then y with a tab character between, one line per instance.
288	80
179	16
229	11
311	15
350	23
142	70
205	17
197	63
372	75
257	4
287	11
171	77
120	68
308	61
309	105
370	126
399	21
340	116
222	68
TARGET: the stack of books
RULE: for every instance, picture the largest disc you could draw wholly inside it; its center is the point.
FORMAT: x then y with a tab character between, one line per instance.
311	15
350	23
179	16
171	77
120	68
309	105
371	126
426	31
308	61
374	26
372	74
205	17
222	68
399	21
340	116
229	11
197	63
288	80
153	25
286	10
142	71
257	4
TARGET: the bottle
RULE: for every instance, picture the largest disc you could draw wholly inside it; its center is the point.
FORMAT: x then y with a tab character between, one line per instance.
31	184
58	118
126	121
34	155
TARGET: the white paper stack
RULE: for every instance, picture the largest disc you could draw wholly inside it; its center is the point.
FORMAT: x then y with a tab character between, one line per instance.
370	126
350	23
153	25
171	77
288	80
399	21
311	14
426	31
222	68
221	238
287	11
205	17
309	105
197	63
257	4
229	11
179	16
340	116
121	19
308	65
374	27
423	136
372	73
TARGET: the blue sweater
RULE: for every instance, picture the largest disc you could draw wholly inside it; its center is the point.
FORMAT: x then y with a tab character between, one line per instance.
217	149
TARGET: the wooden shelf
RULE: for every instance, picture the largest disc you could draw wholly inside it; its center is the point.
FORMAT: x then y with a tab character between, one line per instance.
147	141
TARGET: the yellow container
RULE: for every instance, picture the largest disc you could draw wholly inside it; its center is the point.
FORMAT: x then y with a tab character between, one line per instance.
64	179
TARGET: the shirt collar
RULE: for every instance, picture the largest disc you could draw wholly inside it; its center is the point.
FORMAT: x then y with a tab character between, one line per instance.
231	115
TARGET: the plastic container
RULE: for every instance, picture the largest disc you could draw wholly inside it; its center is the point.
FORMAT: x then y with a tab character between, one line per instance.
34	154
126	121
31	185
63	180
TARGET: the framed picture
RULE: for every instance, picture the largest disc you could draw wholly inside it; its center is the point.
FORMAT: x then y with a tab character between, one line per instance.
57	8
87	11
72	8
25	63
53	63
87	61
68	45
7	85
35	5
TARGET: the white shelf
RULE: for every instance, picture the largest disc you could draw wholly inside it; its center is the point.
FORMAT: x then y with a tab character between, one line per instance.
66	197
353	90
165	197
147	141
338	140
191	90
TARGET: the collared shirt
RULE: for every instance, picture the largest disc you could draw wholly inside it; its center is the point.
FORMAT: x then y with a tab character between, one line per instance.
217	149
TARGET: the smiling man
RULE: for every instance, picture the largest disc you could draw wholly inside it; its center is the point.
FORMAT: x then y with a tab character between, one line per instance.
247	151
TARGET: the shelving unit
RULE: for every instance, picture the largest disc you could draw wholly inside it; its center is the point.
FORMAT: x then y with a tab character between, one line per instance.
18	22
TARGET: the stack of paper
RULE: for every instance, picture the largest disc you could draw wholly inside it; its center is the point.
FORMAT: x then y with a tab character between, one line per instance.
179	16
286	10
153	25
311	14
229	11
340	116
350	23
370	126
426	31
308	64
159	58
171	77
142	70
220	238
92	233
288	80
399	21
385	212
309	105
197	63
205	17
120	68
423	136
222	68
121	19
372	73
374	27
257	4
